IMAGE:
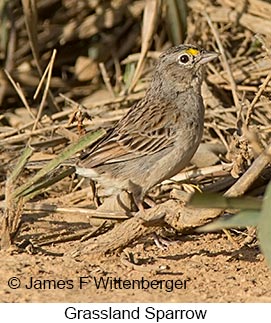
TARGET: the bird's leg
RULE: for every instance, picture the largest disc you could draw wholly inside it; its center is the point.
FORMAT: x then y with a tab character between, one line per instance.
96	198
140	206
137	194
160	242
138	199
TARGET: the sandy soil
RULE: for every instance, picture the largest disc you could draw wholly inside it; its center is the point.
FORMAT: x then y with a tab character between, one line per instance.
194	268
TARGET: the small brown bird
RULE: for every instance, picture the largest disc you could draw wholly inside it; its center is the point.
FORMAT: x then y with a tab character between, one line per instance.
159	135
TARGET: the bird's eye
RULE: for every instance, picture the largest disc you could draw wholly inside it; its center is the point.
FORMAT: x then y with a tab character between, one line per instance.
184	58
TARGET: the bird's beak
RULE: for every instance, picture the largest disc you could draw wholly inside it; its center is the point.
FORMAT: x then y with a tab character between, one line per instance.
208	56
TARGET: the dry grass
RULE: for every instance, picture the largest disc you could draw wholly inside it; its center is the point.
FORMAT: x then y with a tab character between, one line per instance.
100	54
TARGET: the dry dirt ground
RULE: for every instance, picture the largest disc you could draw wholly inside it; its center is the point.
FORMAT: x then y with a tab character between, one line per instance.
198	267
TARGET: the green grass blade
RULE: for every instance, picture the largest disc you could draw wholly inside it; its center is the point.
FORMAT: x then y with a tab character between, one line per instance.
20	164
176	20
242	219
264	227
214	200
64	155
42	186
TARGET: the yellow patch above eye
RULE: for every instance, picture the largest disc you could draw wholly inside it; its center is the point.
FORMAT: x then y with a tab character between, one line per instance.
192	51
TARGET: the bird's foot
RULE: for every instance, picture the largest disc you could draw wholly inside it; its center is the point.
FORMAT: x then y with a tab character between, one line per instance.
160	242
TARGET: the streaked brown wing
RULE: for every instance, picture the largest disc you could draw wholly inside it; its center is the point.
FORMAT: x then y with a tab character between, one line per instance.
146	129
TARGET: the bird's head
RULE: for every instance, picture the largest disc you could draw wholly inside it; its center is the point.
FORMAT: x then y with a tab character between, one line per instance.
182	66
